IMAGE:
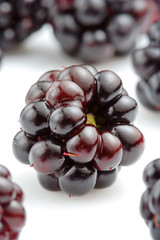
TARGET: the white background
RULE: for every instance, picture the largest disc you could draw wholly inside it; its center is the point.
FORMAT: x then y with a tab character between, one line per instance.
110	214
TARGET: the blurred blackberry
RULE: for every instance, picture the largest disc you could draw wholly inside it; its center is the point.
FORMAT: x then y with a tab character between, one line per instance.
150	200
96	30
12	213
147	65
20	18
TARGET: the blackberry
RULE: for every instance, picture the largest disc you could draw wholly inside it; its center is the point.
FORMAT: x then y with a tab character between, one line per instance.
150	200
76	129
146	62
18	19
96	30
12	213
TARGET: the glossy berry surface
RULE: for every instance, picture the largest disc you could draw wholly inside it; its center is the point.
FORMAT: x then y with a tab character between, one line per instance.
96	30
146	62
76	129
150	200
12	213
19	19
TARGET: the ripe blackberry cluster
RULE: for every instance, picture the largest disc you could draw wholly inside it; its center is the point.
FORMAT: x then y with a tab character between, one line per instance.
76	129
147	65
18	19
96	30
12	213
150	200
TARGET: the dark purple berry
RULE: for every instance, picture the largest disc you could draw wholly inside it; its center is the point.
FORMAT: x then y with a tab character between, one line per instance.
37	91
151	172
19	19
19	193
65	120
83	145
64	91
6	190
49	182
95	46
46	157
123	110
153	90
106	178
90	68
21	146
154	198
150	200
34	118
82	77
76	129
121	31
142	95
96	30
144	207
4	172
12	213
146	62
67	32
110	152
90	13
154	32
109	86
132	141
78	181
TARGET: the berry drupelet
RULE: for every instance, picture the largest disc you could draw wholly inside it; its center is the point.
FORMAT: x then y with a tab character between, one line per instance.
18	19
96	30
146	62
150	200
76	129
12	213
